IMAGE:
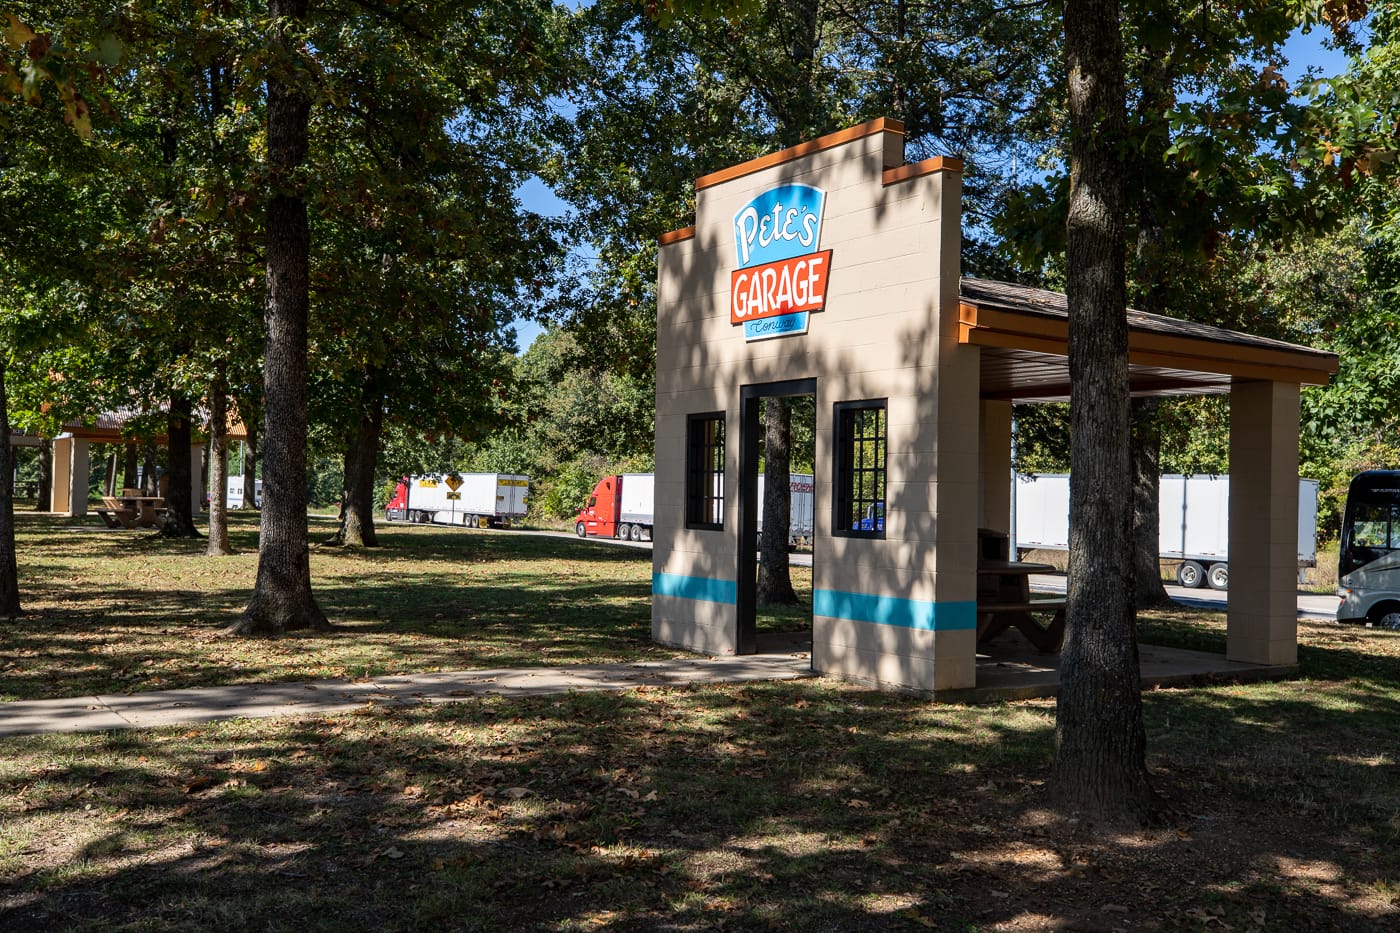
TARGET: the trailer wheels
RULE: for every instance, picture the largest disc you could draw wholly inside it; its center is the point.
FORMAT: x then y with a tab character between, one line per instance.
1190	574
622	531
1218	576
635	533
581	530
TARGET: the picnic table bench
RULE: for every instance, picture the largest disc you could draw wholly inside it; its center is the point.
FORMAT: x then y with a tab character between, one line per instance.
1004	601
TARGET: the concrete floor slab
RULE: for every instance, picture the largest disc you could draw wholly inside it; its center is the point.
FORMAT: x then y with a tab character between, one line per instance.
1010	668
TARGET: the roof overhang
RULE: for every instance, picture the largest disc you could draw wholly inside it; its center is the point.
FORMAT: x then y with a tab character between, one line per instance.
1024	336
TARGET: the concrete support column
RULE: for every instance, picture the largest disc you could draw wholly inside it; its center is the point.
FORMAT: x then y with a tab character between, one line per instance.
70	476
956	500
60	484
1263	613
995	453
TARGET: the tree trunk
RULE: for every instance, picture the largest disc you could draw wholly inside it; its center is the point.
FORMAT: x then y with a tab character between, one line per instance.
9	566
179	498
109	472
250	468
361	455
1146	456
1154	287
129	465
282	598
150	483
1100	743
218	467
44	502
774	577
798	114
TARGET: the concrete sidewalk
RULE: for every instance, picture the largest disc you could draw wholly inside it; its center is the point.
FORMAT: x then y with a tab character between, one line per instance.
172	707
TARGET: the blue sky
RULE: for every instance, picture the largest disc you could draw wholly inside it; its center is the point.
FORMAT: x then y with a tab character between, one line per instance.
538	198
1304	50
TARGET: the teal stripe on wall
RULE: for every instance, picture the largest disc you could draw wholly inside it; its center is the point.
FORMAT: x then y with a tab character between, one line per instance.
702	588
891	610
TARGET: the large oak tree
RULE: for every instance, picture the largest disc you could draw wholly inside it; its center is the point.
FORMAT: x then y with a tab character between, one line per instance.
282	599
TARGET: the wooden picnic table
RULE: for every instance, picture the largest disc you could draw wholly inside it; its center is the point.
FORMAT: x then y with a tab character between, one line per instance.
1004	601
150	510
133	511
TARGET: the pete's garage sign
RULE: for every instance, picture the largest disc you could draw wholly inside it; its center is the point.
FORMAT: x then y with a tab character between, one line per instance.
781	276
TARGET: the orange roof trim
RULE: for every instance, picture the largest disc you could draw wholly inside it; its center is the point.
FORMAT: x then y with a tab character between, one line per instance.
893	176
829	141
676	236
1227	353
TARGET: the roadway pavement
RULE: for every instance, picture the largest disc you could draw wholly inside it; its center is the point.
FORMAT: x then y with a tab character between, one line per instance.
1310	605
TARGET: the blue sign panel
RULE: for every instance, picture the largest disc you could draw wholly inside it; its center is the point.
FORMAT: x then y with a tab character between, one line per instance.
781	326
778	224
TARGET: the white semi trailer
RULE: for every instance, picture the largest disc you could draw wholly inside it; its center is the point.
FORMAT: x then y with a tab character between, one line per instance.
1194	522
800	507
479	499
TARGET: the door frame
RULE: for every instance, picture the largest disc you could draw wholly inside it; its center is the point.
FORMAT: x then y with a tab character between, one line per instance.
750	430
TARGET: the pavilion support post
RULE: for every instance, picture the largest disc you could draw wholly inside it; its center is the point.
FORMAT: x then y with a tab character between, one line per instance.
995	451
1263	612
71	466
61	487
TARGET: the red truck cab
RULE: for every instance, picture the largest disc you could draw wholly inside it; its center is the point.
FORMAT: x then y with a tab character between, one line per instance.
599	516
396	509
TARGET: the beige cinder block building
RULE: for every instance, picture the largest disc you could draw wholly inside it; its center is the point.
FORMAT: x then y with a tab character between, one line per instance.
832	269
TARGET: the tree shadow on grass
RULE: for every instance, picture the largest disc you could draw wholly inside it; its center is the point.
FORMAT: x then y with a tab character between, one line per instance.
1325	649
783	806
149	616
133	640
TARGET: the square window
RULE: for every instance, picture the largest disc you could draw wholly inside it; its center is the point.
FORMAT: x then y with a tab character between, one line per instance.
860	469
704	472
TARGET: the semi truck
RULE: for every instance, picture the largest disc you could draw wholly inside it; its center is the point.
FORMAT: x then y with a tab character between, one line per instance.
624	506
621	506
481	500
1194	513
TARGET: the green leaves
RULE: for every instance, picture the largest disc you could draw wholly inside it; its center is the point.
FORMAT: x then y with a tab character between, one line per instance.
71	73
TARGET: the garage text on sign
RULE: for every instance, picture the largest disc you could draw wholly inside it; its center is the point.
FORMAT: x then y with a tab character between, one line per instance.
781	276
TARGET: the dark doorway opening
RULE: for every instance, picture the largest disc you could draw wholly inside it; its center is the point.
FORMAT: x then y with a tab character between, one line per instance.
776	627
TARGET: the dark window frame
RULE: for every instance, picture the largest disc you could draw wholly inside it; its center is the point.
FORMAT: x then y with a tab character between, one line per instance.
853	484
704	460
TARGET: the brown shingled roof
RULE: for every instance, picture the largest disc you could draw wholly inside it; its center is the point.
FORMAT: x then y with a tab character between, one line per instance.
1023	298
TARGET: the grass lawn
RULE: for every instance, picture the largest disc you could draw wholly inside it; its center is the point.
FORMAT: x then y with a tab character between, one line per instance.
796	806
123	610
